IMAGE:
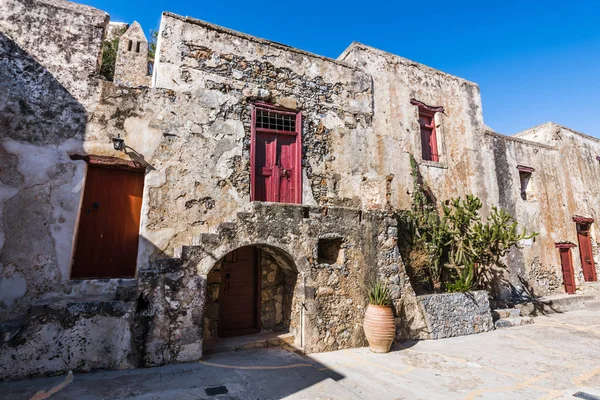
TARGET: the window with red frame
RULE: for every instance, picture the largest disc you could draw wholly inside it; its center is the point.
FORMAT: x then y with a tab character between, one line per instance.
429	146
275	155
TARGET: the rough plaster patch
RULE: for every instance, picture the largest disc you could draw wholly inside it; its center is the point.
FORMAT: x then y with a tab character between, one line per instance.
12	285
6	192
140	137
35	162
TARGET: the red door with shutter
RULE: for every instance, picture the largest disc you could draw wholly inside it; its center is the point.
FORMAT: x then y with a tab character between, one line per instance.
276	150
585	252
567	269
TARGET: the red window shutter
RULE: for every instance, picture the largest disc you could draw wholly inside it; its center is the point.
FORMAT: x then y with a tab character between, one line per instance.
428	137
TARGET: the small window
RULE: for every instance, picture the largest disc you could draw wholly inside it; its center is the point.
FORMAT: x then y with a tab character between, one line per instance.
275	120
137	47
428	138
129	45
583	227
329	251
427	126
525	175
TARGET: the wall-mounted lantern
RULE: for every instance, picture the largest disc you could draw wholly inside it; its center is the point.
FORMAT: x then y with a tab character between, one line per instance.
118	142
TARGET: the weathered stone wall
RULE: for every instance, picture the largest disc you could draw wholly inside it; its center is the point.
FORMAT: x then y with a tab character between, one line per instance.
191	130
277	287
49	55
232	70
566	185
74	335
456	314
194	135
396	132
474	160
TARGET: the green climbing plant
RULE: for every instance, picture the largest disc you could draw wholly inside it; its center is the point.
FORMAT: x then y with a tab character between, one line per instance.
426	240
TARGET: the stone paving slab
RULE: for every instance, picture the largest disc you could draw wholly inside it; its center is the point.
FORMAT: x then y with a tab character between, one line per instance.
554	358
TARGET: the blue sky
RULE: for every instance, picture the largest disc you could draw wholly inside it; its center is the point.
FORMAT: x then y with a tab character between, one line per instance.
535	61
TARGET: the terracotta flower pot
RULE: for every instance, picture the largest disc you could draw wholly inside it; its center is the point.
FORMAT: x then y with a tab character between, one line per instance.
380	328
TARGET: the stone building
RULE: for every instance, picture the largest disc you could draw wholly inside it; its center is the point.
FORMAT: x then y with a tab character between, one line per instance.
246	186
131	66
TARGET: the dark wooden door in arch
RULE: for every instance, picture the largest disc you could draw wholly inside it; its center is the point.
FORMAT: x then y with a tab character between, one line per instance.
239	299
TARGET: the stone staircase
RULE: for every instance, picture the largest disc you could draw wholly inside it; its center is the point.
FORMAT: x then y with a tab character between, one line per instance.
203	240
249	342
523	313
509	317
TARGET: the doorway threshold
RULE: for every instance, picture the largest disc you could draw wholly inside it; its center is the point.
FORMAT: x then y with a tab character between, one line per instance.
248	342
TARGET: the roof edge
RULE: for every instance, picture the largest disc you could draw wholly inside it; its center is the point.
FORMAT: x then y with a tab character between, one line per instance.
256	39
518	140
557	125
402	60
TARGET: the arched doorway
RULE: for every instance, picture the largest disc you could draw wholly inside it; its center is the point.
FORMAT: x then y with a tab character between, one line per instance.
251	290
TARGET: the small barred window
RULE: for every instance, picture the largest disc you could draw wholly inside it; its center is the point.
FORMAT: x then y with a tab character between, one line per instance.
267	119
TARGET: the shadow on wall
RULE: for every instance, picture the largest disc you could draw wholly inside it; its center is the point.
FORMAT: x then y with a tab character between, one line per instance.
37	116
34	106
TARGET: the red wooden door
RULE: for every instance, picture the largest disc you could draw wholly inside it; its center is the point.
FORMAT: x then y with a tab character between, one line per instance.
287	164
108	233
567	269
585	252
267	172
239	312
276	168
276	156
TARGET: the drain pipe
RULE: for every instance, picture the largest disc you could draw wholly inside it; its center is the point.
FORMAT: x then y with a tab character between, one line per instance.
302	311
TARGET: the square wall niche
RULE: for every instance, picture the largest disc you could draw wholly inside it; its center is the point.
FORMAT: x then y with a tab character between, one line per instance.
526	182
330	251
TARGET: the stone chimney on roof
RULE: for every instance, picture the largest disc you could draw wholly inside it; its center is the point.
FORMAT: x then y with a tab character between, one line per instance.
131	66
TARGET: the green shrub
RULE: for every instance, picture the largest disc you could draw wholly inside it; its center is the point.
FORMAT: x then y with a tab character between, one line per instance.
457	250
109	58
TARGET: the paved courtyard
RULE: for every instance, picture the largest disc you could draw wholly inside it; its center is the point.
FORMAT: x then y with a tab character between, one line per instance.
553	359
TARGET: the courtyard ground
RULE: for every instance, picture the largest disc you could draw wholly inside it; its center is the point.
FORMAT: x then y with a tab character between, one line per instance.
554	358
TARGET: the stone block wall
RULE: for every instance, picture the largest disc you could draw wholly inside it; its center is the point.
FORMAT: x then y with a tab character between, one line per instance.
328	300
277	286
456	314
71	335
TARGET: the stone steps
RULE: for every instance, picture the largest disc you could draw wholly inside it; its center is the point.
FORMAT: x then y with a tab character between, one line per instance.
592	305
592	288
249	342
509	317
555	304
513	321
505	313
